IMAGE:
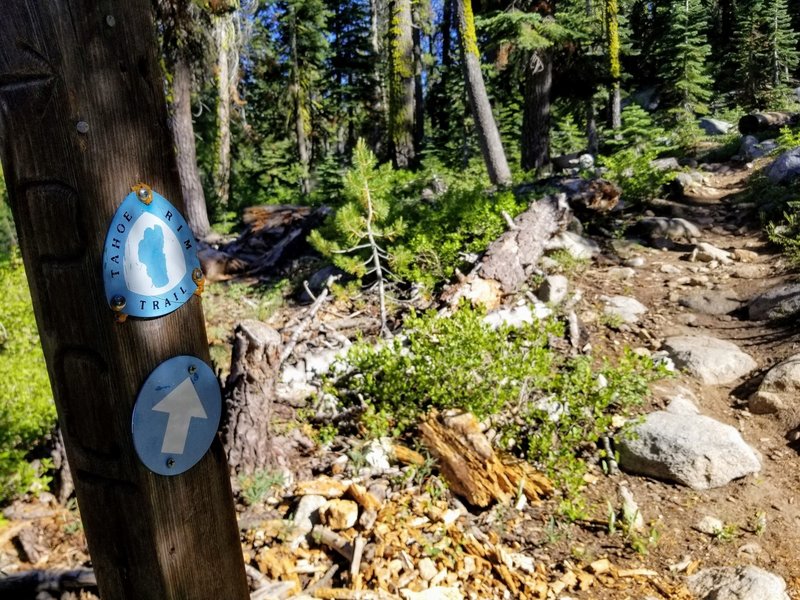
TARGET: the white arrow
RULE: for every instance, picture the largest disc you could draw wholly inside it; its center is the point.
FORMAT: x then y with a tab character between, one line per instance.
181	404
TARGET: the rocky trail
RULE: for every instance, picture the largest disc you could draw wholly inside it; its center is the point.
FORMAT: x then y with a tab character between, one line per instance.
708	484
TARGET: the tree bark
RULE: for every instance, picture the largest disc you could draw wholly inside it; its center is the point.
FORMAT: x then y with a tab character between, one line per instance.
185	149
419	68
615	69
82	119
401	85
300	109
592	141
537	84
249	392
223	37
438	110
766	121
488	135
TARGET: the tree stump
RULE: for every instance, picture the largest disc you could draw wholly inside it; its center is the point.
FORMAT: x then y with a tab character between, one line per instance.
249	394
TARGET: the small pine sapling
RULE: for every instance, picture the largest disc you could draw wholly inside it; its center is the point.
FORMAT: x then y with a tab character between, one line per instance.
355	238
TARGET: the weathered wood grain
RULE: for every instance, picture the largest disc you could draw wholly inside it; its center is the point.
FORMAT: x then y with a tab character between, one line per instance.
82	118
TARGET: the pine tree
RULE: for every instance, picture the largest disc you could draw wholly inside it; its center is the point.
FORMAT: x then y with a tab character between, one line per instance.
683	57
766	51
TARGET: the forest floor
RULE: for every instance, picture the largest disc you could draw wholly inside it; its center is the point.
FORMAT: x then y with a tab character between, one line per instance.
760	513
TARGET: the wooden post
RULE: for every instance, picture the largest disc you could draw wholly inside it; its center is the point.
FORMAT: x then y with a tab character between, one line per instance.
82	119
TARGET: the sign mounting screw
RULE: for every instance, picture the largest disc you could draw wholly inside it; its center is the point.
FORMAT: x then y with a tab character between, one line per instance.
170	463
118	303
82	127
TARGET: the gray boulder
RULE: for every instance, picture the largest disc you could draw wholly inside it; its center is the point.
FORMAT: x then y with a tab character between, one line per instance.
669	163
785	168
714	126
711	360
628	310
711	302
752	149
665	227
737	583
778	302
578	247
690	449
783	377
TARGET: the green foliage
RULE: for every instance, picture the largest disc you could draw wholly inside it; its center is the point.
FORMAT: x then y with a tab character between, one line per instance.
766	52
545	406
683	57
257	487
634	173
27	413
353	234
8	236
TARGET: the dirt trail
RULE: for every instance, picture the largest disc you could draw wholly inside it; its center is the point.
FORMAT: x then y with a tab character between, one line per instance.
661	283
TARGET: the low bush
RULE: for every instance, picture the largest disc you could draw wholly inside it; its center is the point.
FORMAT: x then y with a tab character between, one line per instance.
27	413
545	406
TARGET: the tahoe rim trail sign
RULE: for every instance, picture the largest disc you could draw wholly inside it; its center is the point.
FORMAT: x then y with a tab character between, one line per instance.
150	264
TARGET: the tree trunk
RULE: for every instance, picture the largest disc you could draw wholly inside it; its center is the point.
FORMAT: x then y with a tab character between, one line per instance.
83	118
419	67
592	141
488	135
183	136
615	69
438	109
766	121
536	111
401	85
223	38
249	392
300	110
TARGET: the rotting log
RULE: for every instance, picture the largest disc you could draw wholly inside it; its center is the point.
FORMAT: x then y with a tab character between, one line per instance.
472	468
766	121
511	259
82	119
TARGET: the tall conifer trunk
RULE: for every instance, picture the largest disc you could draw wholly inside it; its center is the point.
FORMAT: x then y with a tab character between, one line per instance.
538	81
401	85
488	135
223	38
185	150
615	70
300	108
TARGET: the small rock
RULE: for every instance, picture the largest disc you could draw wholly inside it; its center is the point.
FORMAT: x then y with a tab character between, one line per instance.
745	256
554	289
327	487
714	126
783	377
748	271
427	569
751	549
377	454
711	360
670	269
339	514
306	515
631	515
694	450
665	164
765	403
680	405
637	262
709	525
625	308
517	316
578	247
712	302
777	302
737	583
672	229
621	273
705	252
434	593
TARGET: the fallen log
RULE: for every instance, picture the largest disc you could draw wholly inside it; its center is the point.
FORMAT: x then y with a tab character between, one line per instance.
24	586
766	121
472	468
511	259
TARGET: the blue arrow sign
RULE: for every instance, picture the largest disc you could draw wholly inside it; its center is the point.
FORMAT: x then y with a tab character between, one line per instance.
176	415
150	264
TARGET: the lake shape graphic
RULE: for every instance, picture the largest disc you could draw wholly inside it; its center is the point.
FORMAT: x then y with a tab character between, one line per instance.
154	259
151	254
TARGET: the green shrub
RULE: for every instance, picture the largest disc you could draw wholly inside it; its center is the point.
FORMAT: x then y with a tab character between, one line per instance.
545	406
27	413
633	171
